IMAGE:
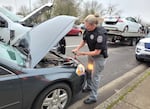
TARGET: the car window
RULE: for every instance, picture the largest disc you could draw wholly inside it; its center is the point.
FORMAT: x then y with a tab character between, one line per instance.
3	22
133	20
128	18
11	54
4	71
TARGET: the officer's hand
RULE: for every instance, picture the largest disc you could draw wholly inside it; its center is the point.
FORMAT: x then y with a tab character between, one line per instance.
74	50
75	53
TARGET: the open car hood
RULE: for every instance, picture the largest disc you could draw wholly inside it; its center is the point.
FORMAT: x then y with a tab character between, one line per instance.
35	13
45	36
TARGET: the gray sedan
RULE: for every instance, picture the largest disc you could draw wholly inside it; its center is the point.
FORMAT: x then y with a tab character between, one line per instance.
32	76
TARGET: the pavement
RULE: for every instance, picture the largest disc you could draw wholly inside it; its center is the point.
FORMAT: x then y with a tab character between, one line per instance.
135	95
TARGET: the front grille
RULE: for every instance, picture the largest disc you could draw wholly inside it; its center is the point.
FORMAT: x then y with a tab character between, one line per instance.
147	45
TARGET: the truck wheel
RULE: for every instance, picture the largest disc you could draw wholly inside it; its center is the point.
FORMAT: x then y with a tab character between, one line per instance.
132	42
113	39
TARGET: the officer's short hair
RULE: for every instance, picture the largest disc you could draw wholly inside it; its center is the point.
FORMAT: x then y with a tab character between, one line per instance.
91	19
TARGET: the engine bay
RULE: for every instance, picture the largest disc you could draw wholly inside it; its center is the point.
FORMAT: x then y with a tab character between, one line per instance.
54	59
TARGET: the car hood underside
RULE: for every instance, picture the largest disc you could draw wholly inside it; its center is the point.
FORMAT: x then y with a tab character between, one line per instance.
42	38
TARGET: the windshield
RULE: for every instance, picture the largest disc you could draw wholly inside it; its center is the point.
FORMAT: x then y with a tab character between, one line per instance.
11	54
9	14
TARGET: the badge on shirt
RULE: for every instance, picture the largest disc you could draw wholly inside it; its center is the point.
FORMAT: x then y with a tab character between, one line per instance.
91	36
99	39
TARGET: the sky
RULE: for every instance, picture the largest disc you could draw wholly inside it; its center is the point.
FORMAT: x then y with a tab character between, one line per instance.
134	8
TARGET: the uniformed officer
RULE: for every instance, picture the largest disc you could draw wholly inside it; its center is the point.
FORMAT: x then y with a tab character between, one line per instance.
96	39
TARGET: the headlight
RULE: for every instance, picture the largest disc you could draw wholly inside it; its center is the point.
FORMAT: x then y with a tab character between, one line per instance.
80	70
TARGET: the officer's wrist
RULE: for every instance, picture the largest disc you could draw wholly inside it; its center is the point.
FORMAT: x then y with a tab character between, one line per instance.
84	53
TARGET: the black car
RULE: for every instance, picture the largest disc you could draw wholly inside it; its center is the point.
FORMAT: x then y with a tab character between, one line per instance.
32	76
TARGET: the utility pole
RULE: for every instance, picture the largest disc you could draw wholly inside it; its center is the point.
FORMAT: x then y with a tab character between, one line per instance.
16	6
110	8
30	5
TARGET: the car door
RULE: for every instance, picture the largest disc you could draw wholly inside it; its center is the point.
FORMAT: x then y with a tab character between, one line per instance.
136	26
133	25
10	90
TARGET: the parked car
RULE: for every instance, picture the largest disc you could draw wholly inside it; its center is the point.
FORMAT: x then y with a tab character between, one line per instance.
142	51
32	76
13	26
82	26
123	24
75	32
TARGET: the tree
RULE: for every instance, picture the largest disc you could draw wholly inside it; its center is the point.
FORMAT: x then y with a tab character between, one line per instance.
92	7
41	16
112	10
8	7
23	11
40	3
65	7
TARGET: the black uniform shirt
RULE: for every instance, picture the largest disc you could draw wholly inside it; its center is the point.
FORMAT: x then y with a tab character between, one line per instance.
96	39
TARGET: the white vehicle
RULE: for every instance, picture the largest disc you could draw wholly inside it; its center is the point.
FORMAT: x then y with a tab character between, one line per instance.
12	26
123	30
123	24
142	51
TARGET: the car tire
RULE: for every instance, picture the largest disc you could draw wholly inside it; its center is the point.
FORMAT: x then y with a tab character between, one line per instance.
80	33
57	96
132	41
138	59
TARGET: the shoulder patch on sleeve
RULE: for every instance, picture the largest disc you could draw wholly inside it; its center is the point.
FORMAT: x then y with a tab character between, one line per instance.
100	39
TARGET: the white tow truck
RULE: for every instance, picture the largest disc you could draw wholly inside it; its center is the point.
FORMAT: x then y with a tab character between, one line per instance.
131	38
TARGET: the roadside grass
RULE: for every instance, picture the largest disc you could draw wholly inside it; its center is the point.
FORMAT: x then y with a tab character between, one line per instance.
130	89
